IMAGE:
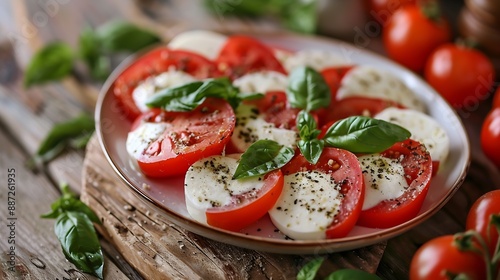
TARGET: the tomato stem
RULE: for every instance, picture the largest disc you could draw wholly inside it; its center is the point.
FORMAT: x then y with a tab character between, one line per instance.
431	10
469	241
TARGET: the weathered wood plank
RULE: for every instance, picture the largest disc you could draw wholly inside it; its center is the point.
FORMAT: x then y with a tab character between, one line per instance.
157	248
36	252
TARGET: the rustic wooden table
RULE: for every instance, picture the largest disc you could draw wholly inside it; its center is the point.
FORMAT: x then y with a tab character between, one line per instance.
27	115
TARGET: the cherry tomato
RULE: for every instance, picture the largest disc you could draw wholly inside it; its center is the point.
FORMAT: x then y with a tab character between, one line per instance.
242	54
191	136
463	76
248	208
345	169
439	259
479	217
496	98
382	10
410	36
153	63
490	136
417	165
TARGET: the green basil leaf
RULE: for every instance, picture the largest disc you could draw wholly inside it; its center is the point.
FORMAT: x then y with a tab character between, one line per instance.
308	271
300	16
307	89
60	136
306	124
364	135
79	242
124	36
179	99
187	97
51	63
311	149
351	274
262	157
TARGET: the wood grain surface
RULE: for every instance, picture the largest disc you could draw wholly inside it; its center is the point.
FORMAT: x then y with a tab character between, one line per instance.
26	115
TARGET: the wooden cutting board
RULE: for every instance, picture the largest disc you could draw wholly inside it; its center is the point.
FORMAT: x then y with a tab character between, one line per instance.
159	249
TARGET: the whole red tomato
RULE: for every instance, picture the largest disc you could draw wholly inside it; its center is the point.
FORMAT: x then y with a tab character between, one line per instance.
496	98
439	258
490	136
463	76
479	217
410	36
382	10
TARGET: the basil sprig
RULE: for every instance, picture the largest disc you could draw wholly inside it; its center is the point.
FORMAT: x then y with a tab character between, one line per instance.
307	89
262	157
309	144
364	135
56	60
357	134
73	133
187	97
53	62
76	233
310	269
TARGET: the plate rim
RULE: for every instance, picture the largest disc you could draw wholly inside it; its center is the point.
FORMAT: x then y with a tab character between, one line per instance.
272	244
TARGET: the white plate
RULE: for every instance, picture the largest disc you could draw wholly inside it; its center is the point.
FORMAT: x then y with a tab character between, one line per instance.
168	194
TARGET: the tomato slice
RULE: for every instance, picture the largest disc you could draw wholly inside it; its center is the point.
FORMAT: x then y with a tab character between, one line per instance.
417	165
355	106
242	54
153	63
333	76
249	207
191	136
344	168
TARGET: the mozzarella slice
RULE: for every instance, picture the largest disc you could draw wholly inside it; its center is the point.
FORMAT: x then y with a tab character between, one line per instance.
262	82
208	184
171	78
423	128
384	179
251	127
307	205
317	59
205	43
368	81
139	139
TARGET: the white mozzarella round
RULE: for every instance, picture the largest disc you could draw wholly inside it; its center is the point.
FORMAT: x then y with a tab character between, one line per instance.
208	184
384	179
205	43
423	128
251	127
261	82
139	139
316	59
307	205
368	81
148	88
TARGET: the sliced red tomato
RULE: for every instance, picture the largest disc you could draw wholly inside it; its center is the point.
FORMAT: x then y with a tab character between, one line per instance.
153	63
275	108
344	168
248	208
355	106
242	54
417	165
333	76
191	136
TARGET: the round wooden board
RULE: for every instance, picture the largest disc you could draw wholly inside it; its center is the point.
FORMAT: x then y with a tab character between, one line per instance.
159	249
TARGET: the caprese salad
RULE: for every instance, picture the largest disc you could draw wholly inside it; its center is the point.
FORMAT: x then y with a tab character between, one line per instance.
318	144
